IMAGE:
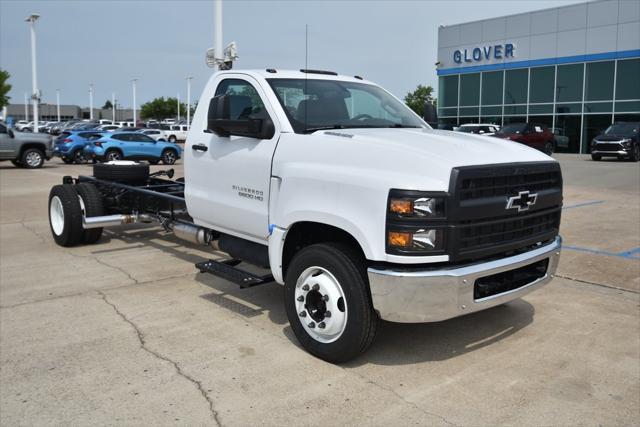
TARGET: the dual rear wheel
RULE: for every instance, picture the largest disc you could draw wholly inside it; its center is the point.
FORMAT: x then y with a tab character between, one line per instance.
67	205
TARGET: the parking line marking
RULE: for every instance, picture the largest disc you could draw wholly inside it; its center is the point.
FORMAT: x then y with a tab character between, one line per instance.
630	254
579	205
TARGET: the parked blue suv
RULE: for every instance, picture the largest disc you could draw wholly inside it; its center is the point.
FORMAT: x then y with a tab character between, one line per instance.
69	146
132	146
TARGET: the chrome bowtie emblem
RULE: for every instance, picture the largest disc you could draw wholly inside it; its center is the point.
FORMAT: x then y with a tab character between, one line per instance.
523	201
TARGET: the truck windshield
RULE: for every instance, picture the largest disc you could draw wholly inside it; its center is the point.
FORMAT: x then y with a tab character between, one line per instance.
313	105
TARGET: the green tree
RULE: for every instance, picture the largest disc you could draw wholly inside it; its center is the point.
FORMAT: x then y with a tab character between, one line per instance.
5	87
162	108
107	105
416	99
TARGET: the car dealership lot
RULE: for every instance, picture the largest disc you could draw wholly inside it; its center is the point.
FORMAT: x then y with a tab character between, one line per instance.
127	331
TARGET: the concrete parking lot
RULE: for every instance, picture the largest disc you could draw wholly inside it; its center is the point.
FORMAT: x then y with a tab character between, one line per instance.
128	332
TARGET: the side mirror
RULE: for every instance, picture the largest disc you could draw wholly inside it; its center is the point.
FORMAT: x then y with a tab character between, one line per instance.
223	123
430	115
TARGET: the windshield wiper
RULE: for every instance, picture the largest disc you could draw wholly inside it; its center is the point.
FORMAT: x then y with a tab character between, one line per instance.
314	129
400	125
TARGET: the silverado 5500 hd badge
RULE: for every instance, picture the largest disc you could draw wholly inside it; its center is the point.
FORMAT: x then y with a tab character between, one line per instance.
249	193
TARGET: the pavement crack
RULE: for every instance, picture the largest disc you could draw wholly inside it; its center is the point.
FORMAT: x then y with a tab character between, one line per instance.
34	232
602	285
114	267
176	366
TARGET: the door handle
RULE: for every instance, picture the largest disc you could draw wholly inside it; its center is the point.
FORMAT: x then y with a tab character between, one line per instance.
199	147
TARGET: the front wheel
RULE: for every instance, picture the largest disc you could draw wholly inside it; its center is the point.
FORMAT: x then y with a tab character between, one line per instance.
16	163
634	156
112	155
32	158
596	157
172	138
79	157
328	302
169	157
548	148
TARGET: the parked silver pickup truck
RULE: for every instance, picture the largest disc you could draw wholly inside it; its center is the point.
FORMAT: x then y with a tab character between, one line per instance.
27	150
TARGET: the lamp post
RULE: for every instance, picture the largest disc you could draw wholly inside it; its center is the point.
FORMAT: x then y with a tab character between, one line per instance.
113	108
134	101
58	103
26	106
91	101
218	34
178	104
34	78
189	78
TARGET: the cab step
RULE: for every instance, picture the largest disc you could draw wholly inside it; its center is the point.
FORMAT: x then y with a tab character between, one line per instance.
227	270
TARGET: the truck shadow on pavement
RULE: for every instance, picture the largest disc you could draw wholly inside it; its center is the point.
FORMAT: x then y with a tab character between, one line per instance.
395	343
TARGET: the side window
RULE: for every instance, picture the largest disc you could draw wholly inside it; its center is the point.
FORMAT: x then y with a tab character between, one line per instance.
121	137
245	102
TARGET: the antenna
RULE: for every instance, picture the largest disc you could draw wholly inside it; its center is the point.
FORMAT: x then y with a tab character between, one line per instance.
306	60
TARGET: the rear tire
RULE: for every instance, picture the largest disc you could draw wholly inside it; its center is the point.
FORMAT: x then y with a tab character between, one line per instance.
67	161
65	215
79	158
596	157
548	148
32	158
172	138
16	163
169	157
91	203
340	274
136	173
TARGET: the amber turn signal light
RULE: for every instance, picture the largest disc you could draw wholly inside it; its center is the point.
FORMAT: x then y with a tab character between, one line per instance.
401	206
399	239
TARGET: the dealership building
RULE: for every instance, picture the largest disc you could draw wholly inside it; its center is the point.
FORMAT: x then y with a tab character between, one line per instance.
575	69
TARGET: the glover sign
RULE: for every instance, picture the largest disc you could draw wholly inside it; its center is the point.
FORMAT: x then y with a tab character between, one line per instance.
484	53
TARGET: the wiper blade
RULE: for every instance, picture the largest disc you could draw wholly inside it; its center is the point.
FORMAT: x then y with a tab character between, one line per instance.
400	125
311	130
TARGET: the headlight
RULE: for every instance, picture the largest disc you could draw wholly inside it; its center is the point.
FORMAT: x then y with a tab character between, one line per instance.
421	240
415	205
626	143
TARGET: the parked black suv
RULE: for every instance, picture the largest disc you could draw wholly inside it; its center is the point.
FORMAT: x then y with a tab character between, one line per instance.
620	140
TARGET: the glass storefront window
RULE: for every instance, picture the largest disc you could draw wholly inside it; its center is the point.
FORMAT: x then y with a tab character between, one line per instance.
491	111
447	112
515	109
568	108
514	119
594	125
626	106
447	124
495	120
470	89
492	88
569	83
628	79
469	111
515	86
467	120
598	107
599	81
627	118
541	84
448	91
541	109
567	133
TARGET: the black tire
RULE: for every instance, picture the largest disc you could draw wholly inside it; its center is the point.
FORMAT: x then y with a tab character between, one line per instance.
65	215
172	138
154	162
79	158
137	173
32	158
16	163
596	157
548	148
112	155
169	156
349	269
634	156
93	206
67	161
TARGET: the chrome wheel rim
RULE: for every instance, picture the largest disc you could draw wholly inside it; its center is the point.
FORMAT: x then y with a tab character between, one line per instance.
113	156
321	304
33	158
169	157
56	215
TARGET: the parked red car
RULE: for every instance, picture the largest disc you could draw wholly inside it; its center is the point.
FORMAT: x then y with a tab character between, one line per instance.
534	135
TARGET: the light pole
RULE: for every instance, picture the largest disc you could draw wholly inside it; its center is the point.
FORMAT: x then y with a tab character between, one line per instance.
178	104
91	101
189	78
58	103
134	101
34	78
113	108
26	107
218	34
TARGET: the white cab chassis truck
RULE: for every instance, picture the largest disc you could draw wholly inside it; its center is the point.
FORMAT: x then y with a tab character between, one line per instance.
356	205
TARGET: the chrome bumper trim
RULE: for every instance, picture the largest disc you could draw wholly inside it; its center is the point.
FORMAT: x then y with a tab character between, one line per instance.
435	295
617	153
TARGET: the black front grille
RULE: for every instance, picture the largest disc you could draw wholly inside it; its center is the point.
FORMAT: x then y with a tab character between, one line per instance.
608	146
497	284
494	233
503	185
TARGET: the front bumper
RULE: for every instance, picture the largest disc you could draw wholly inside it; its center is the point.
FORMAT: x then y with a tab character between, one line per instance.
619	153
406	296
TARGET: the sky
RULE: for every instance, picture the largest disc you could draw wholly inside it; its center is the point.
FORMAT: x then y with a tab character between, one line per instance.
108	43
